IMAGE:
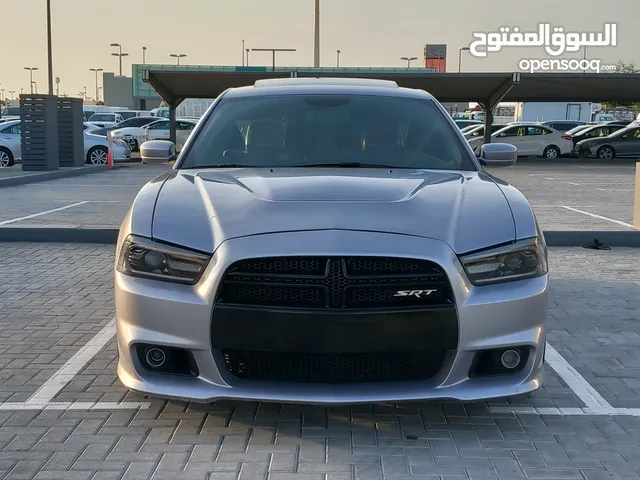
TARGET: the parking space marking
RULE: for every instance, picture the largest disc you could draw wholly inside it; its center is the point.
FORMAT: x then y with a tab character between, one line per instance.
573	183
46	212
600	217
77	362
42	398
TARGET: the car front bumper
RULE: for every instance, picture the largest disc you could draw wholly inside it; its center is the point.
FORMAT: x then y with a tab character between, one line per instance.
121	153
179	316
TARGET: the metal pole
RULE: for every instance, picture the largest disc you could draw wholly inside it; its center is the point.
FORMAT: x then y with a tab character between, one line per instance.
459	60
31	80
243	53
144	55
49	47
316	34
97	85
274	60
247	57
338	59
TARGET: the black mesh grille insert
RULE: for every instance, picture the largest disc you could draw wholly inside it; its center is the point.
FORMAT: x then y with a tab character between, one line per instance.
333	368
335	283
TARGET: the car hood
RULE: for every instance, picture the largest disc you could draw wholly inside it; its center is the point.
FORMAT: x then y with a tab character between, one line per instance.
201	209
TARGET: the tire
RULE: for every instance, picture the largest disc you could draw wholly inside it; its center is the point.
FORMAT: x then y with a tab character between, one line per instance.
133	143
606	153
551	152
97	155
6	158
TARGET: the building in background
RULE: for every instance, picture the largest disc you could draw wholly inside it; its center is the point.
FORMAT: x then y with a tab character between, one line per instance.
435	56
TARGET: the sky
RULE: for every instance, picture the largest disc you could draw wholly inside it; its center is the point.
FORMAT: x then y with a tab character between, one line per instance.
372	33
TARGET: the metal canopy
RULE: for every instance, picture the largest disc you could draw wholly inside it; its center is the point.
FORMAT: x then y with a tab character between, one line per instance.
175	86
488	89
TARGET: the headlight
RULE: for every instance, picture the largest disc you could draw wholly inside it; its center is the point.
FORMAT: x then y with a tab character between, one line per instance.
517	261
141	257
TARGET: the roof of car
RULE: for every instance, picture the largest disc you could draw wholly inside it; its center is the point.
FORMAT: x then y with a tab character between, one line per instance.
290	86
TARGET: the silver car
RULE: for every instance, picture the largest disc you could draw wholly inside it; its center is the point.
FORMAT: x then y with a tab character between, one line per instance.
330	241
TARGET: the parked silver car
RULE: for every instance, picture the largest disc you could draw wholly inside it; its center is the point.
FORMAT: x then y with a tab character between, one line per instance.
96	147
330	241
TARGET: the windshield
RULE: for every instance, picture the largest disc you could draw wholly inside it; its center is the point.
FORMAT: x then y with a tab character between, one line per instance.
577	129
102	117
306	130
11	111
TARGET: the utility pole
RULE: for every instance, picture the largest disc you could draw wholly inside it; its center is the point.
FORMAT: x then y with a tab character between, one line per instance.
316	34
49	48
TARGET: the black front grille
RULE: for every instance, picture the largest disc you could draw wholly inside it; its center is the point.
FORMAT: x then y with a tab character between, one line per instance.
335	283
333	368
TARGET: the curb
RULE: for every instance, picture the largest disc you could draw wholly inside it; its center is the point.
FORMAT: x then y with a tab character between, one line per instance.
64	172
109	236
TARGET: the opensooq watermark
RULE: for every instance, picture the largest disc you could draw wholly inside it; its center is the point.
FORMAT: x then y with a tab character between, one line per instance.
555	41
564	65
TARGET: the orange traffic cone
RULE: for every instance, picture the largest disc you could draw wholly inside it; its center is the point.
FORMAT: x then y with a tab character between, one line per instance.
109	159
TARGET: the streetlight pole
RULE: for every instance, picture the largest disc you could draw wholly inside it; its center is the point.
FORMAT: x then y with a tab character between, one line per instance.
96	70
178	56
273	53
463	49
242	53
31	70
11	92
337	58
408	60
144	55
49	48
316	34
119	54
247	57
34	83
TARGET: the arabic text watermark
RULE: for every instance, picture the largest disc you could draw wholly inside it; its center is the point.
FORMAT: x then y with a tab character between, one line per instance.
564	65
555	40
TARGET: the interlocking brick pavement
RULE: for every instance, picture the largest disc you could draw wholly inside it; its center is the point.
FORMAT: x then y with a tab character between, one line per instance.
54	298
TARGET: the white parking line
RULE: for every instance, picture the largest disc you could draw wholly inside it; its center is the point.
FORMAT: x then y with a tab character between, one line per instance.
39	214
600	217
42	398
574	184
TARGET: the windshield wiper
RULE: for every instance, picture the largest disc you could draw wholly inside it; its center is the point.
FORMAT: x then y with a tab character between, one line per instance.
346	165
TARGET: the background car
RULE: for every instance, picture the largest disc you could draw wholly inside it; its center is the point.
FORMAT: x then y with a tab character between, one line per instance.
478	131
132	122
106	119
156	130
96	148
10	143
563	125
624	143
462	123
531	139
594	131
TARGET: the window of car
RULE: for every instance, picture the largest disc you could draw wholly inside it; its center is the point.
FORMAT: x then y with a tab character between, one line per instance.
513	132
537	131
306	130
102	117
161	125
13	130
185	126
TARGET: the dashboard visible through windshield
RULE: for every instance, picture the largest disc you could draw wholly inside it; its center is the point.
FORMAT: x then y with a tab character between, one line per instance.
327	129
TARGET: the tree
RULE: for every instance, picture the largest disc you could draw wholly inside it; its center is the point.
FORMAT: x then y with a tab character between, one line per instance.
626	68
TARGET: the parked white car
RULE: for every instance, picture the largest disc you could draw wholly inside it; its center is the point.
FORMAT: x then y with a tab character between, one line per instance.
531	139
158	130
96	147
105	119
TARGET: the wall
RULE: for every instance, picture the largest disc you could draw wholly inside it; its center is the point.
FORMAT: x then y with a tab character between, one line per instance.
118	91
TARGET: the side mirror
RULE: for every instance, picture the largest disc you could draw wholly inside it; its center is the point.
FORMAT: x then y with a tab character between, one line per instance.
498	155
157	151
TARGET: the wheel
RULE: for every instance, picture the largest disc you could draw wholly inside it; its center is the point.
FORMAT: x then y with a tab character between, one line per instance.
551	152
6	158
133	143
97	155
606	153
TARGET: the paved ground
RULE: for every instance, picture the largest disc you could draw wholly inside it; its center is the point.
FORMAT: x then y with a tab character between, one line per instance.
56	298
565	197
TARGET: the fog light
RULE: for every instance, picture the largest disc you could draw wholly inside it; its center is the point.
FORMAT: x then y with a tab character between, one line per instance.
510	359
155	357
